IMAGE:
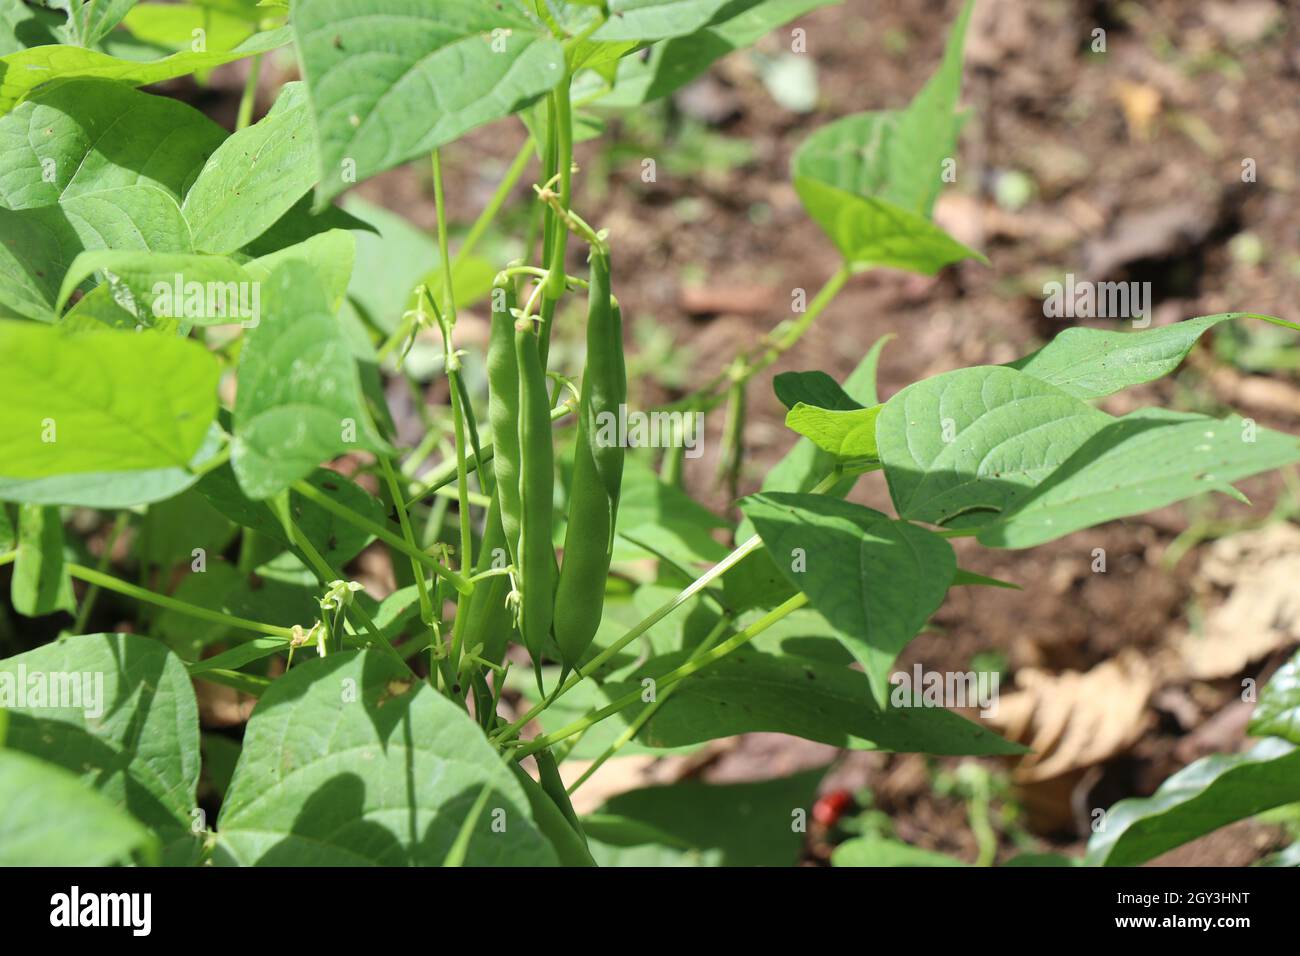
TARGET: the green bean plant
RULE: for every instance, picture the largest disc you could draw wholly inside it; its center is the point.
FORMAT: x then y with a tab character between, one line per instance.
193	330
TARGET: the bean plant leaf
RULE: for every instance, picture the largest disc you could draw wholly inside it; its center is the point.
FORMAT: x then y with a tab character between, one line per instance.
963	447
880	851
1093	363
336	540
125	723
806	464
199	289
895	156
330	254
656	19
393	79
874	579
88	135
38	245
22	26
299	401
40	584
870	180
812	388
90	20
254	177
1208	794
871	232
113	489
1278	712
846	434
740	824
27	70
52	819
673	63
752	692
348	760
1143	461
101	401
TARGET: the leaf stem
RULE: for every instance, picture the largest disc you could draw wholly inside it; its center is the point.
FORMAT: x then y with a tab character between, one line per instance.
110	583
670	679
316	496
249	97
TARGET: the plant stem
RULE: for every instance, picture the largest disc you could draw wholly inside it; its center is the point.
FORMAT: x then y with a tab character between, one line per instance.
642	718
498	200
316	496
110	583
421	585
88	601
249	97
668	680
446	472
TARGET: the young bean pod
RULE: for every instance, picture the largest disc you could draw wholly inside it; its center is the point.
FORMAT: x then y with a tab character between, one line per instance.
597	474
536	554
503	409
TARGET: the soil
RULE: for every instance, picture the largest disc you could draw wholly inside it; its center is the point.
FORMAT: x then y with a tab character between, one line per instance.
1136	160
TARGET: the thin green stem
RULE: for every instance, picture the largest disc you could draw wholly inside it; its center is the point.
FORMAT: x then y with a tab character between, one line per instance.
643	718
444	247
249	96
693	666
92	594
445	472
404	520
493	207
316	496
117	585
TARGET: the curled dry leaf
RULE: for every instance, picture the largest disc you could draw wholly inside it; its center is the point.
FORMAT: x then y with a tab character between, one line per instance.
1074	720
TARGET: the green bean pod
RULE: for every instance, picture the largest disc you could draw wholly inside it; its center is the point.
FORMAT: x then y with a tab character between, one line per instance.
490	620
536	556
503	411
597	475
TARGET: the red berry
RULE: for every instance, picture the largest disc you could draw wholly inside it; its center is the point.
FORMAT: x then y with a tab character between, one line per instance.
831	806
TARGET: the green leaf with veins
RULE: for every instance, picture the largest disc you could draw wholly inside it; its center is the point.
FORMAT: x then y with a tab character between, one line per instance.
51	819
1278	712
752	692
101	401
27	70
1143	461
37	246
1208	794
254	177
1093	363
964	447
113	489
673	63
870	180
135	736
849	434
299	401
349	761
393	79
135	276
871	232
876	580
88	135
